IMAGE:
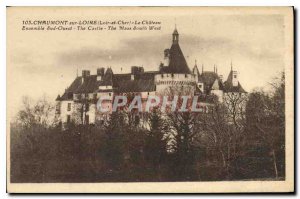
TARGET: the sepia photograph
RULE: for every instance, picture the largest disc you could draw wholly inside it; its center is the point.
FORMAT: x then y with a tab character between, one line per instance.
150	99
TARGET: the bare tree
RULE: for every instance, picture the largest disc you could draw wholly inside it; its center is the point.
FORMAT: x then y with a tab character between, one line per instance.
266	119
36	113
216	135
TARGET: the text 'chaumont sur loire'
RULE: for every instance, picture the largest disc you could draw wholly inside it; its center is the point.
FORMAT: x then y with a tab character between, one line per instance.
91	25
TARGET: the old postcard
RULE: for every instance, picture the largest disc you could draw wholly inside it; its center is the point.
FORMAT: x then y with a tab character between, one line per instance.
150	99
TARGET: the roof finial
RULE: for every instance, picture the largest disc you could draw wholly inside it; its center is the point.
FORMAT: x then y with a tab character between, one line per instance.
202	68
231	65
77	72
195	62
216	69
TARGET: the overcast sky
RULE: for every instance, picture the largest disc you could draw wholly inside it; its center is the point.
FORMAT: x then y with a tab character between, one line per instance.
44	62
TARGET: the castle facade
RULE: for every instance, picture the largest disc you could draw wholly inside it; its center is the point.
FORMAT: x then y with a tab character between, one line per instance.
78	103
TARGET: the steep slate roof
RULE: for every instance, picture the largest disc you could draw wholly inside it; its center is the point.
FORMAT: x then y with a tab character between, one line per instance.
136	86
89	85
143	82
69	91
117	78
228	87
208	78
177	61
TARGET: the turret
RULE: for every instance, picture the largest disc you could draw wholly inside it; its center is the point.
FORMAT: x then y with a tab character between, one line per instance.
175	36
196	72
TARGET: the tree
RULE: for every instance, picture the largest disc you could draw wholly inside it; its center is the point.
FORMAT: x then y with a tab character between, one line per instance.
216	136
184	127
266	119
114	150
156	141
30	135
235	104
35	113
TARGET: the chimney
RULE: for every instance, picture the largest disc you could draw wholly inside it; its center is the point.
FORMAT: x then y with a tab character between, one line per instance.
85	73
136	70
100	73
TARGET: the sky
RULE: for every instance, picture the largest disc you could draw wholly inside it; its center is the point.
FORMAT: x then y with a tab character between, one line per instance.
46	62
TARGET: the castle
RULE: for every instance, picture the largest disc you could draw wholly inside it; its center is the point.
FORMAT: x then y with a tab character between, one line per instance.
78	102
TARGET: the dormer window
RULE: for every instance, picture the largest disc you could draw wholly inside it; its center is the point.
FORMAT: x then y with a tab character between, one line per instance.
172	75
185	75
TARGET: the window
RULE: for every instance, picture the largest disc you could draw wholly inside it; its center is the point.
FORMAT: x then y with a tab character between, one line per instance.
69	107
234	76
185	75
68	119
87	107
109	94
200	85
162	75
95	95
172	75
148	93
